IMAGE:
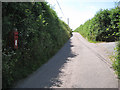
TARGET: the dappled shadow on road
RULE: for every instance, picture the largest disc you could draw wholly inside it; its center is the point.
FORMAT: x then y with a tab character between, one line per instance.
46	76
58	62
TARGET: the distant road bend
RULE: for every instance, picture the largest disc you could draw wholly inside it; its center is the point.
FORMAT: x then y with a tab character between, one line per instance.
78	64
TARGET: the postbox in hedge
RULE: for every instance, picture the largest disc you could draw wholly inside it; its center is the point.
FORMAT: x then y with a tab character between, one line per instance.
15	34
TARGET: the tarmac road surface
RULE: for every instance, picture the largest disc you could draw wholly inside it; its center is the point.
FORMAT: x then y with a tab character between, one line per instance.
78	64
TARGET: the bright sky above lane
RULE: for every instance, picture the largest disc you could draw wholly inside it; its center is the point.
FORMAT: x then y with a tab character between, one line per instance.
79	11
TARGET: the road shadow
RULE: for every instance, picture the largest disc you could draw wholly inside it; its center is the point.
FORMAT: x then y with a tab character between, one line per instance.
46	76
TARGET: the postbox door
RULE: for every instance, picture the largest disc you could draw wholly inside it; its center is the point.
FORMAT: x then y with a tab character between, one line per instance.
15	40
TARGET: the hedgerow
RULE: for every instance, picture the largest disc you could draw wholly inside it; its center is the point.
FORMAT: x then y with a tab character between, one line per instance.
41	35
104	26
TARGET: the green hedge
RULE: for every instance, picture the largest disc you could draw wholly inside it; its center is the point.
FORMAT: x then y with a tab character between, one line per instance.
41	35
116	61
104	26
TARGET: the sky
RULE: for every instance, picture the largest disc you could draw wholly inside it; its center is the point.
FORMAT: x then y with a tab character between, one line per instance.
79	11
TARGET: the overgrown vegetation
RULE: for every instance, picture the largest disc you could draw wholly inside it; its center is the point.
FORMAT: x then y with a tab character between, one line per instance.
104	26
116	60
41	35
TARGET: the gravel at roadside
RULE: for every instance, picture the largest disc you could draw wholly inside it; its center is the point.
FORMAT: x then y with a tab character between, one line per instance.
109	47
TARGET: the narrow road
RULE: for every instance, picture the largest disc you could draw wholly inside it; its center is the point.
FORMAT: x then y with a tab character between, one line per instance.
78	64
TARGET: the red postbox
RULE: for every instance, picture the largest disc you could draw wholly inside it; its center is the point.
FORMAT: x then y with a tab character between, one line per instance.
15	33
12	39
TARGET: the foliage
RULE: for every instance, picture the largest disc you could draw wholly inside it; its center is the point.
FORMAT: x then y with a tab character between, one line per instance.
41	35
116	61
104	26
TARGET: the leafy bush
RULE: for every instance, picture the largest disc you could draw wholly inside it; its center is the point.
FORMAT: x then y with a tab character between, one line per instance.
118	59
116	62
104	26
41	35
